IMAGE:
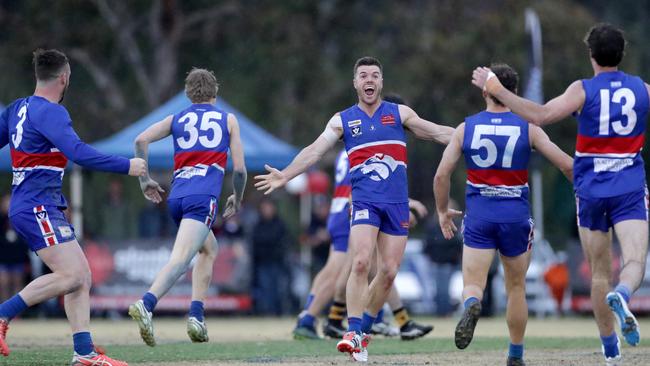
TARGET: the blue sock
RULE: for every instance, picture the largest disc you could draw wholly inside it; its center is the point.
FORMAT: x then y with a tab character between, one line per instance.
354	324
196	310
150	300
12	307
610	345
470	301
516	351
306	320
380	316
624	291
83	344
366	322
310	298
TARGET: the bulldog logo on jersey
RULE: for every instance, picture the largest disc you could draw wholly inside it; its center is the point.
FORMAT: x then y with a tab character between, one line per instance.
379	167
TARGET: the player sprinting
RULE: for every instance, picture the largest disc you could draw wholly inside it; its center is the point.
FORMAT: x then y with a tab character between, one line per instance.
41	138
202	135
496	144
373	133
336	271
609	176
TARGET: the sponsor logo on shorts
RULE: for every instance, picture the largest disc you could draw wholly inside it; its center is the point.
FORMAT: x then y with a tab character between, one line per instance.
65	231
361	215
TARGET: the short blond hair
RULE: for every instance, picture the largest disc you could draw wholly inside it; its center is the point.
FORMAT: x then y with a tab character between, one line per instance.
201	85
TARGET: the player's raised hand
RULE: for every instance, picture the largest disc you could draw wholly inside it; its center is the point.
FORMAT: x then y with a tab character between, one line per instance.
447	222
269	182
232	206
480	77
151	190
137	167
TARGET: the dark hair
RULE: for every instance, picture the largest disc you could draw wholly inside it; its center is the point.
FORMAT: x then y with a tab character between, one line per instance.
394	98
507	76
201	85
606	44
366	61
48	64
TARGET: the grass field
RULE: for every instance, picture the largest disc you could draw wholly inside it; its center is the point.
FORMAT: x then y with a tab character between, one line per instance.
246	341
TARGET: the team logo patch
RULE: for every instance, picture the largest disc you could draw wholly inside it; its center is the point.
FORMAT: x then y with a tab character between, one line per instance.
388	119
65	231
356	131
379	167
41	215
361	215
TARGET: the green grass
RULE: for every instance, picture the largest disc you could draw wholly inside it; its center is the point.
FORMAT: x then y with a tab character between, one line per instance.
277	351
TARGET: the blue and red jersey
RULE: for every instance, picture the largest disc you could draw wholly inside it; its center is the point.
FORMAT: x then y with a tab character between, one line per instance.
42	140
376	148
611	134
201	143
338	222
497	149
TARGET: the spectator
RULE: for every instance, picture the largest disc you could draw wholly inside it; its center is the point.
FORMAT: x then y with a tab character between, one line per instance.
116	222
317	236
14	258
445	255
270	270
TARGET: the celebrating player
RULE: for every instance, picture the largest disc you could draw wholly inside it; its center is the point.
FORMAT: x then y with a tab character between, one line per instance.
609	175
331	280
496	144
39	131
202	136
373	133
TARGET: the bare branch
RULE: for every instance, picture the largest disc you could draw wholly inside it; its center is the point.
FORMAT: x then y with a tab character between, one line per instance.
104	81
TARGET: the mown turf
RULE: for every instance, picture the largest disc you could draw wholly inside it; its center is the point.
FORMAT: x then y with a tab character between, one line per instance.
277	351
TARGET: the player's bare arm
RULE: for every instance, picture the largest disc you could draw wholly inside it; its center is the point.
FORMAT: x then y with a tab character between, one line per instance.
159	130
424	129
553	111
542	143
239	174
442	182
305	158
420	211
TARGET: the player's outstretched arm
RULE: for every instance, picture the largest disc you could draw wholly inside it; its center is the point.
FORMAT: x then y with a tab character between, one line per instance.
305	158
60	133
239	174
442	182
542	143
159	130
424	129
553	111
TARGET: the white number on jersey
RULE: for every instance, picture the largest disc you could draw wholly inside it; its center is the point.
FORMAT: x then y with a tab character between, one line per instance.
627	109
513	133
208	122
17	137
341	169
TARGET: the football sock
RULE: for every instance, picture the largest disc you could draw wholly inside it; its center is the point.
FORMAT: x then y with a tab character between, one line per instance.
470	300
609	345
366	322
150	300
83	344
516	351
354	324
306	320
310	298
337	313
12	307
196	310
401	316
624	291
380	316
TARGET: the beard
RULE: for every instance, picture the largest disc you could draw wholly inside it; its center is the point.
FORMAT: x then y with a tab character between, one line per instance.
63	93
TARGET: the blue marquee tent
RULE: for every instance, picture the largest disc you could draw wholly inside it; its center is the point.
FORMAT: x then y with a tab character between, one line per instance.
260	147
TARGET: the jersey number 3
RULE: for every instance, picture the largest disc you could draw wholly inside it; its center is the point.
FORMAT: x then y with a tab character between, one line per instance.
17	137
478	141
627	109
208	122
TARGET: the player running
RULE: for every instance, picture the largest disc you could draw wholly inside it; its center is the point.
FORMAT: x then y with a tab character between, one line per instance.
609	175
39	131
496	144
373	133
202	136
336	271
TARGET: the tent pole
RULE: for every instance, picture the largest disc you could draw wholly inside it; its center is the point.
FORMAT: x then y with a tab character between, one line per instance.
76	200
